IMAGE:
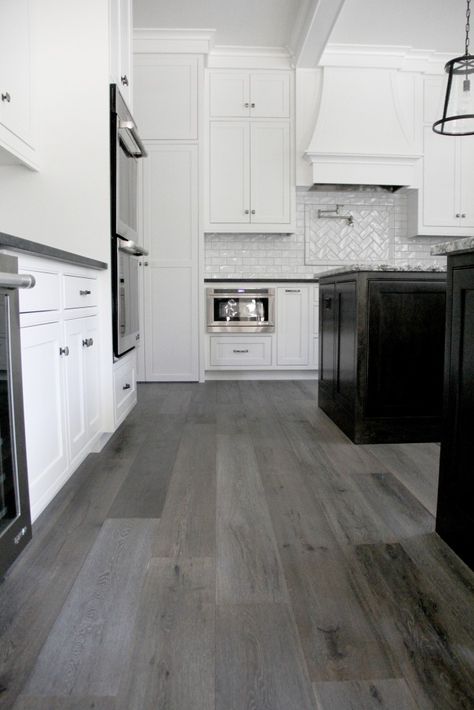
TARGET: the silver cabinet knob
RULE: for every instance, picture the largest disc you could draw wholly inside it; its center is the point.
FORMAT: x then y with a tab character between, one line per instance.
126	387
64	351
87	343
253	211
252	105
458	214
246	104
463	215
124	80
145	263
6	97
246	211
85	292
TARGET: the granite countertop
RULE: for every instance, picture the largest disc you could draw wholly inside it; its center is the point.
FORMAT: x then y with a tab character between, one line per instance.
8	241
456	246
310	280
355	268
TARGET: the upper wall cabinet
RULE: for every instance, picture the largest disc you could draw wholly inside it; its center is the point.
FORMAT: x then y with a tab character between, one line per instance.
121	46
239	94
16	129
166	96
444	205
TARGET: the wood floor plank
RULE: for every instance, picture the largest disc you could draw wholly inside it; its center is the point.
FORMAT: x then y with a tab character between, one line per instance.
248	566
197	448
340	640
390	694
89	645
415	465
62	703
172	666
188	521
258	660
37	586
143	492
431	650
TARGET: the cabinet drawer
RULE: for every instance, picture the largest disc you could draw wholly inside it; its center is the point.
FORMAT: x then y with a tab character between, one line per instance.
79	291
241	352
125	388
44	296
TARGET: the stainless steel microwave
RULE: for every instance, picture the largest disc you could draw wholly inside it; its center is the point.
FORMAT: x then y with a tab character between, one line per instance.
240	310
126	149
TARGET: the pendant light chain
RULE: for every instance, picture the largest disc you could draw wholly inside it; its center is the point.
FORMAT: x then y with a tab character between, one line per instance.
468	24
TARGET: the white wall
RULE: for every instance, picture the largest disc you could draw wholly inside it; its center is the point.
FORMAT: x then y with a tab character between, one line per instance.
66	204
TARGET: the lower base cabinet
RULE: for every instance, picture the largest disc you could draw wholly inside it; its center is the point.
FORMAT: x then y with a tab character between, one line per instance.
381	354
125	386
455	514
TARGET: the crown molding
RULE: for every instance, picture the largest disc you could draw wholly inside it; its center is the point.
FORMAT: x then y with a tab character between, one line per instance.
187	41
229	56
382	56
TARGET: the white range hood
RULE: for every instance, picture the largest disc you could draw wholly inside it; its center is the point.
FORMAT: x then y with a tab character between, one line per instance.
366	130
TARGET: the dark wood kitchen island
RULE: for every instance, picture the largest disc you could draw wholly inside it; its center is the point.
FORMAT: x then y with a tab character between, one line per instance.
381	353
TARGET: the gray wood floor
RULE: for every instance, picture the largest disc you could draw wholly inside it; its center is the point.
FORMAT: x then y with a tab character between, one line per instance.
231	549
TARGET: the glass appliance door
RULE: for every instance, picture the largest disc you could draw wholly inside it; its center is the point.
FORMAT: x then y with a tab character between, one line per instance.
9	494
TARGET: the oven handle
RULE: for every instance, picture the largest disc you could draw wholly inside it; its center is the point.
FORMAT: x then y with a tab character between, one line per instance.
131	131
8	280
133	249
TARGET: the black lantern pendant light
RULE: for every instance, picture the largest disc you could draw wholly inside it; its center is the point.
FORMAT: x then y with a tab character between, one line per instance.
458	114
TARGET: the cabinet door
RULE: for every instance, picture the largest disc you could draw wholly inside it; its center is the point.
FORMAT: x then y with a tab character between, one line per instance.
165	92
345	344
75	385
327	321
91	375
270	172
171	236
293	326
44	406
270	94
125	50
440	181
15	108
466	159
229	95
229	187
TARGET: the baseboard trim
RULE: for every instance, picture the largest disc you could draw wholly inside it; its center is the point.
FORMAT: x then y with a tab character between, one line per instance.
261	375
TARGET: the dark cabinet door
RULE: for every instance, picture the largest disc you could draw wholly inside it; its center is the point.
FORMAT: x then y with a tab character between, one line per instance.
455	517
346	344
327	335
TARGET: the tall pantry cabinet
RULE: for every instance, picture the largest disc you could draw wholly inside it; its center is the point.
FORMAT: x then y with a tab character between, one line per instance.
167	89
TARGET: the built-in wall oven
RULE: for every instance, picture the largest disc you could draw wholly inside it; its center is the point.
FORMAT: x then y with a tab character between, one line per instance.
240	310
15	523
126	149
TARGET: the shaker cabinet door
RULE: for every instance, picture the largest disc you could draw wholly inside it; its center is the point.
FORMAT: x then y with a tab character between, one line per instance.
270	172
229	178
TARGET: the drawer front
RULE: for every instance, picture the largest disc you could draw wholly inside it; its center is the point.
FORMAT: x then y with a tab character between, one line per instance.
125	388
44	296
242	352
79	292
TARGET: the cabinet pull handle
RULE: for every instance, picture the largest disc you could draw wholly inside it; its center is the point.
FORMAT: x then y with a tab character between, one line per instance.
252	105
240	351
85	292
246	105
6	97
124	80
64	351
126	387
327	303
292	290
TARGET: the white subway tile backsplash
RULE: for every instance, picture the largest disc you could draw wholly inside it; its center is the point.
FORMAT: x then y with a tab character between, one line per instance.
383	237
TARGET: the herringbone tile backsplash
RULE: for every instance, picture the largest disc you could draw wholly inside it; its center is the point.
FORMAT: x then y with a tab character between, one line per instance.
378	233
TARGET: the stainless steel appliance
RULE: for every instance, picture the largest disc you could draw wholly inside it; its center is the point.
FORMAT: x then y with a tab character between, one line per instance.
125	150
240	310
15	523
126	324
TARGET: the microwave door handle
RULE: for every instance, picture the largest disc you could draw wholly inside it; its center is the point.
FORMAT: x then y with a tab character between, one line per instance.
123	319
138	149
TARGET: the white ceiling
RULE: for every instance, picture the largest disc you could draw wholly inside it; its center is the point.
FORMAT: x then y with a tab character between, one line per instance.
254	23
422	24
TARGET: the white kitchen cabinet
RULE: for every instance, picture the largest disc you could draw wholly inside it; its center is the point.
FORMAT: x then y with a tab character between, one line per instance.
240	351
61	374
45	412
170	271
292	325
120	46
249	175
166	96
16	120
125	386
81	336
256	94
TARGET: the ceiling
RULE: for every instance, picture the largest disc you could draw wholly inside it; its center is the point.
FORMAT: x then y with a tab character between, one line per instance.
422	24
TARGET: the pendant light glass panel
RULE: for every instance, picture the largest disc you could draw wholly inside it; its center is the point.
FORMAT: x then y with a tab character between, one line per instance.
458	114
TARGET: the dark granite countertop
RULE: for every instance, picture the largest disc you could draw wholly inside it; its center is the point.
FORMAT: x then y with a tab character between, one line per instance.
381	268
457	246
262	281
8	241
